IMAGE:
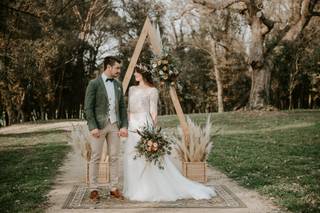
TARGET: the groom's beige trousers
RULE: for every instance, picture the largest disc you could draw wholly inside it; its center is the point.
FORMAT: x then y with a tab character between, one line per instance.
110	133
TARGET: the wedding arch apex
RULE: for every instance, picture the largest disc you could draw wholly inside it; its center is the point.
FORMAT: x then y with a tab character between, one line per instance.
148	31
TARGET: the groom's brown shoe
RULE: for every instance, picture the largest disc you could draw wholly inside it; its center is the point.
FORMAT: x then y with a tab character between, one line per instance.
117	194
94	195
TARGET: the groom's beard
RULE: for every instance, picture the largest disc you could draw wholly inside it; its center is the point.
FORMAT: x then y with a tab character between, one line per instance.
116	75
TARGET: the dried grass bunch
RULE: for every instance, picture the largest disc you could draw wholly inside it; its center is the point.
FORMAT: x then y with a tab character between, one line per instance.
200	142
80	141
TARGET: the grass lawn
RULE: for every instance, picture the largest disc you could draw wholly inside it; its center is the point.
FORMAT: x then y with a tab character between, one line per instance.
28	165
275	153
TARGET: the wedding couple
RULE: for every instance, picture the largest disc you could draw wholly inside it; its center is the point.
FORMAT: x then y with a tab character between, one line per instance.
108	117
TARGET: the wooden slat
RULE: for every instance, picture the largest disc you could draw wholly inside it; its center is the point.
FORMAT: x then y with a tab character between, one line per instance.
182	119
136	54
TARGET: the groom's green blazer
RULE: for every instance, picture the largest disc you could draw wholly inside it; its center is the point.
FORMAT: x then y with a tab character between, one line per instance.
96	104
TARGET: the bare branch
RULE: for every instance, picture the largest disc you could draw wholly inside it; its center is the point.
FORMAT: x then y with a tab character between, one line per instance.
77	13
185	11
174	32
217	5
18	10
305	16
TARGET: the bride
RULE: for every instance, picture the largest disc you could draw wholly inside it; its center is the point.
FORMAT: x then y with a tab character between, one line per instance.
143	181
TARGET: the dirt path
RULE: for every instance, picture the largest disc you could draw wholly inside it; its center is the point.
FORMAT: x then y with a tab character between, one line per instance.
66	125
34	127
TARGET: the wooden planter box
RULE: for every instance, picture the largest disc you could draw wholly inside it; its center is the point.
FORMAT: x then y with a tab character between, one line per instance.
103	176
196	171
104	170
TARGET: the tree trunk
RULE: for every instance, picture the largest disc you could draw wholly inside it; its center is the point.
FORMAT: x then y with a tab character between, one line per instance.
217	76
260	88
290	101
20	117
59	107
260	71
41	113
11	116
219	88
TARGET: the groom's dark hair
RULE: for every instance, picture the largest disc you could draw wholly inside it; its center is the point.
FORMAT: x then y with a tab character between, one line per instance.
110	60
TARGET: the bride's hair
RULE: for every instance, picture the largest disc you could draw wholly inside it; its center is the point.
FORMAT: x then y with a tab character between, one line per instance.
146	74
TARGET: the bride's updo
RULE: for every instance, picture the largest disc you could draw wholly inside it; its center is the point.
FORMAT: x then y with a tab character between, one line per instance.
146	74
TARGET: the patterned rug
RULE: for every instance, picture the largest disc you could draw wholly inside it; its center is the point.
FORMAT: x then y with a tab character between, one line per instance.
78	198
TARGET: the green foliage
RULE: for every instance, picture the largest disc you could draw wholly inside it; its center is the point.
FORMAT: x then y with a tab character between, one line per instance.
296	67
197	88
46	65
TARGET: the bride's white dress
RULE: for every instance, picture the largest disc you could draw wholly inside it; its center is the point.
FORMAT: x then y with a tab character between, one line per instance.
145	181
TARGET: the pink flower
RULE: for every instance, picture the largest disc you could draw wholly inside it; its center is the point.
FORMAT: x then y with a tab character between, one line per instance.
149	143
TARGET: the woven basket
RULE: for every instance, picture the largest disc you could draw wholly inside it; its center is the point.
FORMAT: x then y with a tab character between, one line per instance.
196	171
103	176
103	172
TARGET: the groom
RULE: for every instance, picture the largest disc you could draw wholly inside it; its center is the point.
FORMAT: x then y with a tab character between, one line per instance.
106	115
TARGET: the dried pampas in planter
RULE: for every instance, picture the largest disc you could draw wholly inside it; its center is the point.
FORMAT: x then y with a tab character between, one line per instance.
80	142
194	154
80	138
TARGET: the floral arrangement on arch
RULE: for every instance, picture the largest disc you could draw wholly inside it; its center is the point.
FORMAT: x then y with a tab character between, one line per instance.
163	68
153	145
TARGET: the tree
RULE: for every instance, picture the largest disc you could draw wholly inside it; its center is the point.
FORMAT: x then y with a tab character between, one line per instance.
260	56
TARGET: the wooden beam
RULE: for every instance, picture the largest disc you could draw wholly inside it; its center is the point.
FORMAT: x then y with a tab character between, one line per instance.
136	54
181	117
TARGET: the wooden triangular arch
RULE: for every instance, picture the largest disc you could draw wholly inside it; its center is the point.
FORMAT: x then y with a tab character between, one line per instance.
149	30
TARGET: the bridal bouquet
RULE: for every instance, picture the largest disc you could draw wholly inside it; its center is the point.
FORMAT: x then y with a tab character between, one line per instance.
163	68
152	145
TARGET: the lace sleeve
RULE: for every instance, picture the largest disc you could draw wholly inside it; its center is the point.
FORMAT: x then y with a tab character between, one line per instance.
154	96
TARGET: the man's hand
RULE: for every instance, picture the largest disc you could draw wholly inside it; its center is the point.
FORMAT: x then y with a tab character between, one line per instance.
123	132
95	133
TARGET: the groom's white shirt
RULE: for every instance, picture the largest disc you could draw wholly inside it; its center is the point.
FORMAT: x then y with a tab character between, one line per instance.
112	100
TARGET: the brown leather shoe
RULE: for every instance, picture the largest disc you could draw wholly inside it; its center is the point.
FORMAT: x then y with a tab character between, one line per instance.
117	194
94	195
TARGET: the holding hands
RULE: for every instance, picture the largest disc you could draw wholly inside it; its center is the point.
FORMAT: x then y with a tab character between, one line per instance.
123	132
